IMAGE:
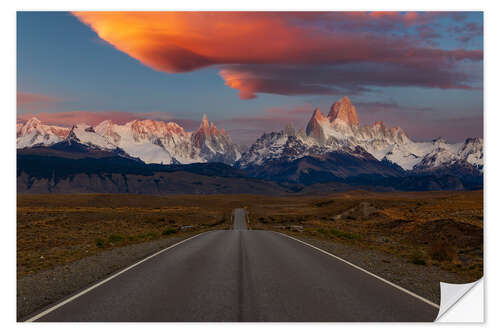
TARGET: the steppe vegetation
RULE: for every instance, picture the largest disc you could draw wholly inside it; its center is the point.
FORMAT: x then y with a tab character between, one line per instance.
443	229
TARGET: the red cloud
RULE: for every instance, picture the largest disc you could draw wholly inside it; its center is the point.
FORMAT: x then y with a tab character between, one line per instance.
348	79
33	102
186	41
249	83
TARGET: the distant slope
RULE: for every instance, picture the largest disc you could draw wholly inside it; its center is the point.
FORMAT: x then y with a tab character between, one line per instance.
78	168
53	171
346	170
333	166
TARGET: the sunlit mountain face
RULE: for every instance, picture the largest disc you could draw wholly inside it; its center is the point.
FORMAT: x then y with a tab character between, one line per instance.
339	131
251	73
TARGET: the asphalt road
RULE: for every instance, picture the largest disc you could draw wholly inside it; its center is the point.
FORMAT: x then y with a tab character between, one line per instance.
240	219
243	275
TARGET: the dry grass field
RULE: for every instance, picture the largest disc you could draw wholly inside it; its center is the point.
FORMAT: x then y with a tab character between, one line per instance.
444	229
427	228
57	229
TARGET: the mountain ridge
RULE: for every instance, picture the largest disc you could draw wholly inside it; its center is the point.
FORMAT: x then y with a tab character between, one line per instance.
340	132
150	140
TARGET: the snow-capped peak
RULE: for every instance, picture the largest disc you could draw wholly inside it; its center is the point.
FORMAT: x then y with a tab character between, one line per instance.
214	144
472	151
152	141
156	141
341	130
316	126
204	121
30	125
85	134
33	132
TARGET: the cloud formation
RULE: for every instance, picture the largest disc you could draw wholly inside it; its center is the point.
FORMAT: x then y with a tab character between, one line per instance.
289	44
33	102
344	79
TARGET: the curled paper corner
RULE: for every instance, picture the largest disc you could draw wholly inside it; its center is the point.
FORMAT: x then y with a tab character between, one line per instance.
452	294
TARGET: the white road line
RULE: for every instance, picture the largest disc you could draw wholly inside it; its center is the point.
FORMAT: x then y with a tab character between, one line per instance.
364	270
66	301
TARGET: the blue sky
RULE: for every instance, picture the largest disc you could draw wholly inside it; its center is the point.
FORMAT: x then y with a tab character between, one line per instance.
64	66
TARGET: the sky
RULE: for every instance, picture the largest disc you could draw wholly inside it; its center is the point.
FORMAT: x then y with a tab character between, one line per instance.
253	72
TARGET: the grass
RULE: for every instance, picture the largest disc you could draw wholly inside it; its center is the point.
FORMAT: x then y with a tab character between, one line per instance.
345	235
55	230
169	231
443	229
417	258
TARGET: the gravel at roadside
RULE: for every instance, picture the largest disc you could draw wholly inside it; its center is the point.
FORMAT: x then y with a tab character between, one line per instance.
420	279
44	288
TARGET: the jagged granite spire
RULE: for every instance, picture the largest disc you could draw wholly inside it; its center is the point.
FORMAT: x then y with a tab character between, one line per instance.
343	110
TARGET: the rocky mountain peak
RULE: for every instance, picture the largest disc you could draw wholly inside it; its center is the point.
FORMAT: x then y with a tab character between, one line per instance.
315	126
33	122
204	121
290	129
343	110
206	129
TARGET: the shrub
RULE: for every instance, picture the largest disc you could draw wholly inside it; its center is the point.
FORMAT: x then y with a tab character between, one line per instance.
99	243
441	250
169	231
417	258
418	261
343	234
153	235
115	238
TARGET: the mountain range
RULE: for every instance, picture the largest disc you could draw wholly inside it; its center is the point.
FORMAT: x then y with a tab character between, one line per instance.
340	131
333	149
149	140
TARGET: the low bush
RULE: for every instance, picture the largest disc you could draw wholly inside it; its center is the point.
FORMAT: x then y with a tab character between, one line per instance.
115	238
343	234
99	243
169	231
417	258
441	250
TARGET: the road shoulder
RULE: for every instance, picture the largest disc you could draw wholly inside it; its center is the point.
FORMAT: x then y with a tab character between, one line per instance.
422	280
39	290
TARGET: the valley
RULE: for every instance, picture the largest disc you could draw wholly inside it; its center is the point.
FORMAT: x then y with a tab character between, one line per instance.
66	242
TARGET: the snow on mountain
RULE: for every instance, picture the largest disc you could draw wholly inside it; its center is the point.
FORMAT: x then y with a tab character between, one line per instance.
214	145
472	152
86	135
149	140
33	133
340	130
166	142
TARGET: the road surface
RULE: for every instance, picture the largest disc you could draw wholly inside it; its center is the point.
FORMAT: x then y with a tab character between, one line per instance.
243	275
240	219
